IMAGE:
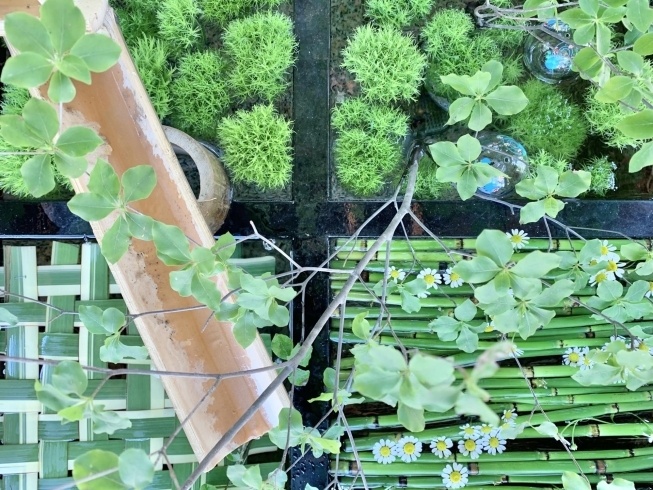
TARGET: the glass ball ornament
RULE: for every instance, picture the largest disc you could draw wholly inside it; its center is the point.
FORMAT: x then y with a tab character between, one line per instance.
505	154
549	58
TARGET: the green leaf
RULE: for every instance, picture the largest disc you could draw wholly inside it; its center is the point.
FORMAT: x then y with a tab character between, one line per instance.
572	481
445	154
172	246
553	206
526	188
72	167
282	346
98	51
69	377
631	62
644	45
553	295
575	18
639	14
411	418
138	183
52	398
536	264
26	33
460	109
91	317
61	89
610	290
507	100
115	351
638	125
471	405
299	377
467	184
461	84
116	240
617	484
469	148
104	181
547	429
495	69
642	158
113	319
26	70
467	341
587	62
204	260
466	311
573	183
634	251
206	292
590	7
495	245
480	82
282	294
613	15
38	175
410	303
75	413
41	118
107	422
615	89
360	327
245	477
16	132
481	116
65	23
135	468
479	269
139	226
7	318
290	429
603	36
78	141
244	330
74	67
532	212
547	179
430	370
584	34
181	280
94	462
225	246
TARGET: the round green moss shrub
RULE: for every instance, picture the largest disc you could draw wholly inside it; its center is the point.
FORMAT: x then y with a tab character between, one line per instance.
261	48
222	11
387	65
545	158
256	147
178	25
603	178
134	23
397	13
549	122
427	186
447	28
603	120
151	59
200	94
364	161
372	118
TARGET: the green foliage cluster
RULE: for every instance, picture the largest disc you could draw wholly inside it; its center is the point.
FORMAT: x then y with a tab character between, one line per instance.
388	65
546	159
257	147
178	25
604	119
260	48
603	178
397	13
200	93
550	122
136	18
222	11
367	150
150	56
427	185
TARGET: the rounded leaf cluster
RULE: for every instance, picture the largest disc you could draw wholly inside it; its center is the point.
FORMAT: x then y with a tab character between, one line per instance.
150	56
261	48
603	178
397	13
359	114
222	11
447	28
200	92
550	122
257	147
388	65
178	25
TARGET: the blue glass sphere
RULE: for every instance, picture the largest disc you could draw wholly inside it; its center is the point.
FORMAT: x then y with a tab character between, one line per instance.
549	58
505	154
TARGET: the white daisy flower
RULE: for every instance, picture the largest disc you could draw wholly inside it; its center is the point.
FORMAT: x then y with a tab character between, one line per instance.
621	338
508	424
649	293
598	278
573	357
487	430
614	269
383	451
422	295
454	476
452	279
489	327
471	447
509	415
586	363
494	444
408	448
431	278
515	351
650	437
440	446
470	431
608	252
518	238
395	274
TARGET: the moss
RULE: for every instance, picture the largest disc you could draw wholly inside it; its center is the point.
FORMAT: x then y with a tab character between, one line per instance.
261	48
603	179
603	120
549	122
513	70
371	118
150	57
221	12
397	13
178	25
200	94
387	65
257	147
136	18
427	186
546	159
14	99
447	28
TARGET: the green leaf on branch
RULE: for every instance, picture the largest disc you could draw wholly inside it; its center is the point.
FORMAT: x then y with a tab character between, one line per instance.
61	89
64	22
115	351
73	167
642	158
172	246
26	70
78	141
138	183
26	33
479	269
507	100
241	476
41	118
116	240
615	89
638	125
104	181
99	52
139	225
573	183
631	62
91	317
69	378
572	481
94	462
135	468
38	175
74	67
644	45
244	330
290	429
16	132
206	292
495	245
409	303
360	327
639	13
225	246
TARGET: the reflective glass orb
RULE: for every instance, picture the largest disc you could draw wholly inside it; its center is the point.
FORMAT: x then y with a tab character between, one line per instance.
507	155
551	60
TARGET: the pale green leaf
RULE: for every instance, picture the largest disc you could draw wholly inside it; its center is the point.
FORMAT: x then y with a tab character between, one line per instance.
590	7
172	246
242	476
139	226
74	67
445	154
634	251
91	317
69	378
575	18
104	181
547	429
469	148
631	62
467	184
495	69
41	118
573	183
244	330
206	292
26	70
526	188
360	327
644	45
113	319
116	240
282	346
481	116
479	269
72	167
507	100
16	132
547	179
290	429
480	82
639	14
61	89
115	351
638	125
26	33
495	245
603	37
532	212
642	158
572	481
225	246
94	462
411	418
466	311
409	303
553	206
78	141
615	89
108	421
38	175
135	468
460	109
138	183
65	23
98	51
468	404
460	83
181	280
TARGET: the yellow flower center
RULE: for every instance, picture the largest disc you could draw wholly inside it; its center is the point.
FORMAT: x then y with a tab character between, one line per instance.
604	250
600	277
394	274
594	262
586	361
470	445
409	448
429	279
441	445
454	277
509	415
494	442
505	426
469	430
642	346
612	266
455	476
489	328
486	429
385	451
516	239
650	286
574	357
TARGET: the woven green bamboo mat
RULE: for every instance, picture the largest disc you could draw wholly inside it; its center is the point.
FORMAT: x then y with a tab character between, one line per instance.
37	451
